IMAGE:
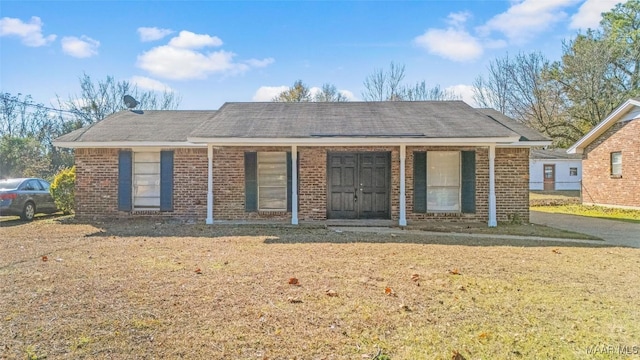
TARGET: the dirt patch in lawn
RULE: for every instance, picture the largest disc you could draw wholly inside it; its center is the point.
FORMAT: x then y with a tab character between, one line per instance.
155	290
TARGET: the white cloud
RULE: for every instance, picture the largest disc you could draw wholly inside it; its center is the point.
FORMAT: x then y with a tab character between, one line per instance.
152	33
146	83
267	93
527	18
82	47
348	94
458	19
589	14
30	33
464	91
180	59
260	63
453	44
189	40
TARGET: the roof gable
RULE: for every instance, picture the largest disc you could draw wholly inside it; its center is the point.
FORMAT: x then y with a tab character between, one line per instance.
629	110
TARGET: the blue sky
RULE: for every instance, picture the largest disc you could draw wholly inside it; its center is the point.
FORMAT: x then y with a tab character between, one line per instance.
211	52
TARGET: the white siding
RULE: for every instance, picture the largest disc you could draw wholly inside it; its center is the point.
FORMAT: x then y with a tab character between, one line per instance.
564	181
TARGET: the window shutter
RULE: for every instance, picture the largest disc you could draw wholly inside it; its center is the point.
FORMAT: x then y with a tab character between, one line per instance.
468	191
251	181
166	181
124	180
420	182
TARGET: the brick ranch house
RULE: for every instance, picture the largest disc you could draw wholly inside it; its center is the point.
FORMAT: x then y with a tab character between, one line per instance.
611	159
400	161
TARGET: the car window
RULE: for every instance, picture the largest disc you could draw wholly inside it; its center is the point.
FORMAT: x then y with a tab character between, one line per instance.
31	185
45	185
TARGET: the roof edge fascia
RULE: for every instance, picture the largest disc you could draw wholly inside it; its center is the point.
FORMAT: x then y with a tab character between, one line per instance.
351	141
526	144
125	144
603	126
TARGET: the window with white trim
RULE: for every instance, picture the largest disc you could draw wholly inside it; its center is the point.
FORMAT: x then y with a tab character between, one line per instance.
146	180
616	163
272	181
443	181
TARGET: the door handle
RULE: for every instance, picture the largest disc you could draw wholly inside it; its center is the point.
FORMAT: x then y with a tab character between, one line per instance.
355	194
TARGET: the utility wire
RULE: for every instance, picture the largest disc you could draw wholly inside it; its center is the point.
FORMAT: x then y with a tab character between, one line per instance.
39	106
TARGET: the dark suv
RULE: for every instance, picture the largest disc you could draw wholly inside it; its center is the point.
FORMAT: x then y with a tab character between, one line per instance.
25	197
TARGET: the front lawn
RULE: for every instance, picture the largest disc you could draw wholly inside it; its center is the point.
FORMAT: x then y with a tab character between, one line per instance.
593	211
139	289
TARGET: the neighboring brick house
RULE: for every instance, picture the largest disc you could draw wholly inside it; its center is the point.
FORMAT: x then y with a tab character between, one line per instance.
400	161
611	159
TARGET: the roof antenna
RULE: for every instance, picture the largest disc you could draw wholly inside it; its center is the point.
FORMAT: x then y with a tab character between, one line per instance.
130	102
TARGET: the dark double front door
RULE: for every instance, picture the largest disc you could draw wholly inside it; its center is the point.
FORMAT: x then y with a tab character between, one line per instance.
358	185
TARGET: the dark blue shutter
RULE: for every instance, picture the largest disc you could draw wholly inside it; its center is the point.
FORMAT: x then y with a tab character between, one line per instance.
251	181
420	182
166	181
468	191
289	179
124	180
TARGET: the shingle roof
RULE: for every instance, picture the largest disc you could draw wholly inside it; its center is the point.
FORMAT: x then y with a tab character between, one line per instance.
148	125
550	154
423	119
428	119
526	133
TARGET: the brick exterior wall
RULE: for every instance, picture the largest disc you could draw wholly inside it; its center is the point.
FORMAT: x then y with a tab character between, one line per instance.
96	193
512	184
97	184
598	186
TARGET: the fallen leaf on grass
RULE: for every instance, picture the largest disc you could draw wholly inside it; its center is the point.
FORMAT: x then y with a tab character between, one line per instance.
331	293
198	271
454	272
556	251
294	300
415	277
389	291
483	335
44	258
294	281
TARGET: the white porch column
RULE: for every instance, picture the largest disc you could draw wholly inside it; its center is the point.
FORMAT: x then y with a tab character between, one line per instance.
403	201
210	185
294	185
492	187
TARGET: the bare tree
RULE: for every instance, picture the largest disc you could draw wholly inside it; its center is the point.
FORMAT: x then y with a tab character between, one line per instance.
329	93
100	99
384	85
387	85
420	92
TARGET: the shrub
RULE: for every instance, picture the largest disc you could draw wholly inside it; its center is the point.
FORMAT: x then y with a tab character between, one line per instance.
63	189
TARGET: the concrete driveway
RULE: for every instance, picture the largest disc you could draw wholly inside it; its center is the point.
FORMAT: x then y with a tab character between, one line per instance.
612	231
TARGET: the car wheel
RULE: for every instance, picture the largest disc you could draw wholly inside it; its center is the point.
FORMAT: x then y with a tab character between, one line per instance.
28	212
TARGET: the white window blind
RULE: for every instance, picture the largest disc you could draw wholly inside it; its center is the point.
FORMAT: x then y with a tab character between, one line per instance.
616	163
146	180
272	181
443	181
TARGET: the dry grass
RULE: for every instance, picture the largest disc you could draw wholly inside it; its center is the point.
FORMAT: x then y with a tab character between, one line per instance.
554	198
525	229
145	290
603	212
